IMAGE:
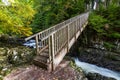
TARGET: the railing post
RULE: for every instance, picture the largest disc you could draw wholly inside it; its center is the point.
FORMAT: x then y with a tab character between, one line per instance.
37	48
68	38
52	50
49	43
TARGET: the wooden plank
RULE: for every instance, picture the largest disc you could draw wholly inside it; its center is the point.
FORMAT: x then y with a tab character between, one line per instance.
41	50
77	34
71	42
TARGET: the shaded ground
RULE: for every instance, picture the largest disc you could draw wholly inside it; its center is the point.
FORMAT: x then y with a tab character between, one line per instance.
35	73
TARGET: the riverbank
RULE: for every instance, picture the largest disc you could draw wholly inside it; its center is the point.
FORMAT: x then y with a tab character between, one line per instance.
15	56
16	63
102	58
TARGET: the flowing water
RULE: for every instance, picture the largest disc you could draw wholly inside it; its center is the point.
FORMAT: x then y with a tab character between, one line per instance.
95	69
85	66
31	43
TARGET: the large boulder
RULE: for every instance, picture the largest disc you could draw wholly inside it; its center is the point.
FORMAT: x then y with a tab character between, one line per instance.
102	58
96	76
12	57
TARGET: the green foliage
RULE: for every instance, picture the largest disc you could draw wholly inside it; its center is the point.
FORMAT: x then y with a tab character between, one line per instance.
109	45
74	66
51	12
115	35
16	18
109	16
97	23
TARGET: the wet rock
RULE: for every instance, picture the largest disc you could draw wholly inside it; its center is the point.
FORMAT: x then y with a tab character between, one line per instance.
80	76
79	72
100	58
96	76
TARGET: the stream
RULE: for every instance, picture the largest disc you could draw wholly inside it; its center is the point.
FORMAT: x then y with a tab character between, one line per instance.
95	69
87	68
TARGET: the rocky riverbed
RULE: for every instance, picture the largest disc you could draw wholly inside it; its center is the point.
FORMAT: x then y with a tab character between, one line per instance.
94	72
100	58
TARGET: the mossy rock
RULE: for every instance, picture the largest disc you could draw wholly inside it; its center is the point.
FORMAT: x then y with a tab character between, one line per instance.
3	51
17	57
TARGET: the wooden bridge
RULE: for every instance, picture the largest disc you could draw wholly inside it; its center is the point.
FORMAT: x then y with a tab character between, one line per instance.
54	43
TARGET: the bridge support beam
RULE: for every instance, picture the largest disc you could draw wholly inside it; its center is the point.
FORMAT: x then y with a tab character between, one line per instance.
59	57
52	53
37	48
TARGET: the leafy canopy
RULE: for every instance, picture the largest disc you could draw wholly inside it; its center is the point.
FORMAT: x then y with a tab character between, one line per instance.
51	12
16	18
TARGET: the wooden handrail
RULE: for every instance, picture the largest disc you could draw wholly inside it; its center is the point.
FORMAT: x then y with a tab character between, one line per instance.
59	36
42	37
71	19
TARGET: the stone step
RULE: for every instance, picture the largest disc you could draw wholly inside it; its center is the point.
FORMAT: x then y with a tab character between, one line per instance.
40	64
44	54
46	50
41	59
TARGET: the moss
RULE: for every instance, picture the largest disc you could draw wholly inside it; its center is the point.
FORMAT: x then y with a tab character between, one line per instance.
109	46
74	66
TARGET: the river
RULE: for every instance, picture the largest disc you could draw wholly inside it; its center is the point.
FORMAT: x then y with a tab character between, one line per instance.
95	69
87	68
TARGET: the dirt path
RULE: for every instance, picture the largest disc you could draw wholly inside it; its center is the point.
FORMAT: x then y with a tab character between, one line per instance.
35	73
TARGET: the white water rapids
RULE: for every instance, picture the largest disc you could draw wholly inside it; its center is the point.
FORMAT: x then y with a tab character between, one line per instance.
95	69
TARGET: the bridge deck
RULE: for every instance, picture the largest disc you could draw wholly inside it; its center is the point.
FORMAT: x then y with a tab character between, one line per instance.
53	43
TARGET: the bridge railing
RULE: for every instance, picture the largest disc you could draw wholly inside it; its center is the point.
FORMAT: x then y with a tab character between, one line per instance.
58	36
61	37
42	38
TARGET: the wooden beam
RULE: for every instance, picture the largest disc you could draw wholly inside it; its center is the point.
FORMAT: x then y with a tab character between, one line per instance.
37	48
52	50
